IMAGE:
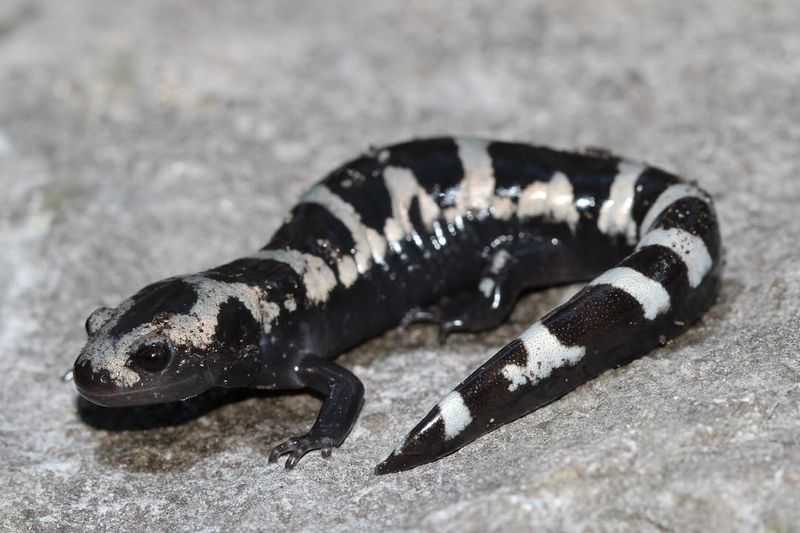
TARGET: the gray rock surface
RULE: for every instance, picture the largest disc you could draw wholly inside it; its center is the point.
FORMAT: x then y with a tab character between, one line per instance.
144	139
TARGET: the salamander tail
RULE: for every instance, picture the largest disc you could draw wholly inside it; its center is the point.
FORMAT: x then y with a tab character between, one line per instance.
470	410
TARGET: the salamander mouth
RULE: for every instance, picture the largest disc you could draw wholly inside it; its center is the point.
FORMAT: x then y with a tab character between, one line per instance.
168	392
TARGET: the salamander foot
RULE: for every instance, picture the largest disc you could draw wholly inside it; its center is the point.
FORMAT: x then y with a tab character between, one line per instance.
299	446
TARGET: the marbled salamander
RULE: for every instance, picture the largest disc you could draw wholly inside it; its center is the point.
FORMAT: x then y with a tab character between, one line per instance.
445	230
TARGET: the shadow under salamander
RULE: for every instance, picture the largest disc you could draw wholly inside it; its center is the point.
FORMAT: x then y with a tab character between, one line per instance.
177	435
161	415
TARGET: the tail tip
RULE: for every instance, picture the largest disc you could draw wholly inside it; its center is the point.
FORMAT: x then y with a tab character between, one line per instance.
424	444
399	462
387	467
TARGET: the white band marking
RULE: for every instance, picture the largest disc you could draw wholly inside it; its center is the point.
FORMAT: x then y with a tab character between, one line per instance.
652	296
455	414
690	248
318	279
545	354
670	195
476	191
347	214
615	213
403	187
347	269
553	200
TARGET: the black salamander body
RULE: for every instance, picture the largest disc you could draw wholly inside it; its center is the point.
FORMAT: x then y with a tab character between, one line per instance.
444	230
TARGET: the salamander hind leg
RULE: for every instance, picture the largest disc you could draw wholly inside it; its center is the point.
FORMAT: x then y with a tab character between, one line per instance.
344	394
484	307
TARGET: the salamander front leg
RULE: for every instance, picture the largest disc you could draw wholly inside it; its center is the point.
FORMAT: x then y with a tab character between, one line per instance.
485	307
343	393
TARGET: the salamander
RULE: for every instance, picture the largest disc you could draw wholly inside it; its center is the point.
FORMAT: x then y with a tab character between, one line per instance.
443	230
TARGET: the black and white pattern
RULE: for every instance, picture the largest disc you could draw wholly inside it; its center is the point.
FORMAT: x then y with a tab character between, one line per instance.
446	230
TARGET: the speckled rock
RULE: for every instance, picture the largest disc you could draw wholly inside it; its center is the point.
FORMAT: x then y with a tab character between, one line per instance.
144	139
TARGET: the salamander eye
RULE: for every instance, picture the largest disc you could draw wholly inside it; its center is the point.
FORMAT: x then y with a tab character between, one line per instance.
152	357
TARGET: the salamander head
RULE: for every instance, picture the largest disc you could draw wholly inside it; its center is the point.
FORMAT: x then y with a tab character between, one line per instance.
172	340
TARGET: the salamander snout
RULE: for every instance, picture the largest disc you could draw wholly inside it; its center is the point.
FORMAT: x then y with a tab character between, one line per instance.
98	385
92	383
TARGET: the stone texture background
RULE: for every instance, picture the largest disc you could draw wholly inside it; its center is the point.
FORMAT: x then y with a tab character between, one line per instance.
144	139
